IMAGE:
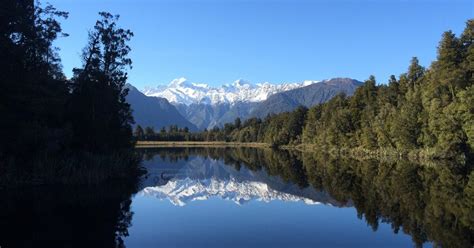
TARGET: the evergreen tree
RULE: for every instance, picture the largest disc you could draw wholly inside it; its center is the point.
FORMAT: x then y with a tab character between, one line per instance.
310	129
33	89
237	123
295	124
415	73
98	92
139	133
467	39
447	69
149	133
393	91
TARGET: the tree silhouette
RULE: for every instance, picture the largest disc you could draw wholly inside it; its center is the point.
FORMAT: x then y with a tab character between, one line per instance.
100	115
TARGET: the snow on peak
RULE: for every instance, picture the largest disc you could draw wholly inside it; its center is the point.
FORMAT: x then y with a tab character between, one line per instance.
178	82
181	191
241	83
182	91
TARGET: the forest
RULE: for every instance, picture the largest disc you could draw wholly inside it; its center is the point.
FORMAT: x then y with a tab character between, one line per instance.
54	129
427	111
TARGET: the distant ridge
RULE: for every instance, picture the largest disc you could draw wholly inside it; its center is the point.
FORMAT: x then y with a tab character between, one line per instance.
306	96
155	111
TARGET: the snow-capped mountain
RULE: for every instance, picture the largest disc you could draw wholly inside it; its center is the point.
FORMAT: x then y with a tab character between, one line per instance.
181	91
206	107
181	191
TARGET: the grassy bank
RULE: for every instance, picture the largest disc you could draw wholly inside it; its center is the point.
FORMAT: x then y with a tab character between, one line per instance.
157	144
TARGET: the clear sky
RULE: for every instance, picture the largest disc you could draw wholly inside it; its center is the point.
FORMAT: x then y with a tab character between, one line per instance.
219	41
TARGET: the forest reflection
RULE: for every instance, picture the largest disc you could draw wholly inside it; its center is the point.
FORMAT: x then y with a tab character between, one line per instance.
432	203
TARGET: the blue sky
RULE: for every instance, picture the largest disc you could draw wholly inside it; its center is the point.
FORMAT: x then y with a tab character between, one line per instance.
219	41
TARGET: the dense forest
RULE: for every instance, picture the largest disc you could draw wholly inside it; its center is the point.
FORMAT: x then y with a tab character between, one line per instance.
54	129
429	110
430	203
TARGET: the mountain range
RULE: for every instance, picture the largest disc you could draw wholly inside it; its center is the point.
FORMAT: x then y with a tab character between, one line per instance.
200	106
181	91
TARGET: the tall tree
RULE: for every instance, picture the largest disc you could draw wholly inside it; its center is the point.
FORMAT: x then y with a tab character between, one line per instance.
101	116
447	68
415	72
33	89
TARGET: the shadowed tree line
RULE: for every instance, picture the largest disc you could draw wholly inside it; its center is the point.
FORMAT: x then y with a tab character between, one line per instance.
429	110
430	202
55	128
281	129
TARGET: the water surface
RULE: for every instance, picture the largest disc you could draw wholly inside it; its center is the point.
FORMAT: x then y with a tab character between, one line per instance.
247	197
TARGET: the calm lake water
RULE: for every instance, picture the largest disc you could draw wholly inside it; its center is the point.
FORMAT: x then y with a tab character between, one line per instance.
247	197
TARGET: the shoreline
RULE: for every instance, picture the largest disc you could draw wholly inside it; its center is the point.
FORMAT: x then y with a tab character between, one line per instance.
158	144
417	155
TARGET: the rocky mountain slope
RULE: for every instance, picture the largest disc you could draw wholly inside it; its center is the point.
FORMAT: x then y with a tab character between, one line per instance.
205	106
307	96
155	111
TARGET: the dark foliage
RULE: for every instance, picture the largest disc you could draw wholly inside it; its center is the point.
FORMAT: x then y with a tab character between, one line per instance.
46	119
68	216
101	118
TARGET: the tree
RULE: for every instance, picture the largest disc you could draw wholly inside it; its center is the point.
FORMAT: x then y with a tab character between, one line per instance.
367	114
98	93
467	39
149	133
466	113
393	90
33	86
447	70
312	120
48	120
415	72
237	123
139	133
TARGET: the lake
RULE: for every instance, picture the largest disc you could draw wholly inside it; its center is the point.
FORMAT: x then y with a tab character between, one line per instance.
249	197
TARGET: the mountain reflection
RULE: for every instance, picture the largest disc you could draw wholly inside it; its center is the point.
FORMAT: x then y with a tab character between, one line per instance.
432	203
200	176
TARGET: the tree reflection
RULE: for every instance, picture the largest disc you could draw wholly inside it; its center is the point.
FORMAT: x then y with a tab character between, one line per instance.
80	216
430	202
